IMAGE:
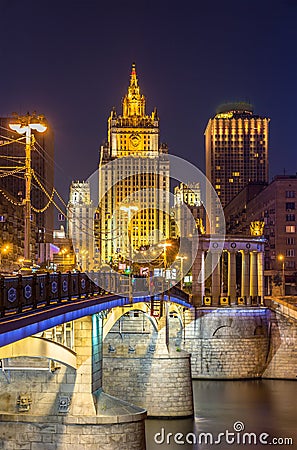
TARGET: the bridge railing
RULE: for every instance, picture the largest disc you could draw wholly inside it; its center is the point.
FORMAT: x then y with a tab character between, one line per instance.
21	293
27	292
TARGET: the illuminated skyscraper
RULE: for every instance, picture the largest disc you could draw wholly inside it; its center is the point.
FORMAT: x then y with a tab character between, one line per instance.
236	145
80	216
42	161
133	173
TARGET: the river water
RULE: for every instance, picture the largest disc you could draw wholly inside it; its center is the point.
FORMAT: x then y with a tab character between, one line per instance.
235	414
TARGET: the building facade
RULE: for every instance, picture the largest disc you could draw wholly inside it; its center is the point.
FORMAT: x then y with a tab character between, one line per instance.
275	206
80	219
236	145
42	163
187	211
12	233
133	180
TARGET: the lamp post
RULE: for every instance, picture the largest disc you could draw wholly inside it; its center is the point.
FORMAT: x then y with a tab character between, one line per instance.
25	125
281	258
181	258
129	210
63	252
4	250
164	245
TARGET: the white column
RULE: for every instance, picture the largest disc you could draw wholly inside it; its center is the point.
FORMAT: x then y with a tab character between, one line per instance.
260	258
216	284
198	274
245	274
201	277
253	275
232	276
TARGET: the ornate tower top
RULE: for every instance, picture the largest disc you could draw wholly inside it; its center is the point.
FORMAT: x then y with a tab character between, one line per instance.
133	102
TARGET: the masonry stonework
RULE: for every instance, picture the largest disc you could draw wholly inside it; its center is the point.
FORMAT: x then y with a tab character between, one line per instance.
282	358
227	343
92	421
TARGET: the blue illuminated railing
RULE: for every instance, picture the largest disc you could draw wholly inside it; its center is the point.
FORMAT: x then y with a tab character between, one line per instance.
25	293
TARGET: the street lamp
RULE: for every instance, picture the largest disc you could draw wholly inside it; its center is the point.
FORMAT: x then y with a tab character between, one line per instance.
164	246
281	258
25	125
129	210
181	258
4	250
63	252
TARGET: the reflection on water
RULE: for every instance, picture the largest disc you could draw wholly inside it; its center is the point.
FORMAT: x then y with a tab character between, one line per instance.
262	407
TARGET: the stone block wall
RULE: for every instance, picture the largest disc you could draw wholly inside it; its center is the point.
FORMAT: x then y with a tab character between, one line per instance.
93	422
227	343
142	371
71	433
282	358
159	383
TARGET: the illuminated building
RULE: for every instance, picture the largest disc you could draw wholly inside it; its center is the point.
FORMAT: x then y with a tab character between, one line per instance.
80	217
187	198
236	145
139	176
42	161
275	205
11	233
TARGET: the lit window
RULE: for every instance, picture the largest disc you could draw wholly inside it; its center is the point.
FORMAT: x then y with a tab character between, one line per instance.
290	194
290	229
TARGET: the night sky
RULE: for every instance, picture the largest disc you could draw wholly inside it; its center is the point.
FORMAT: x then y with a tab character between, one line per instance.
71	60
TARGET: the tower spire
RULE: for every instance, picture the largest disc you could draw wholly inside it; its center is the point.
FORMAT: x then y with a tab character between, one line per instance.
133	102
133	78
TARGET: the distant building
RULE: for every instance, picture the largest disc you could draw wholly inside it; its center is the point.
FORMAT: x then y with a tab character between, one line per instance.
11	233
43	165
275	205
236	146
138	178
80	217
62	252
187	212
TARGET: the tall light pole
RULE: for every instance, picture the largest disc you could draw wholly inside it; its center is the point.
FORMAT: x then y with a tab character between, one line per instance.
25	125
129	210
181	258
164	245
281	258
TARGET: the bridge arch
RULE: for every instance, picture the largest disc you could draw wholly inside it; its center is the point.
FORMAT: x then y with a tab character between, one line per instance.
39	347
116	313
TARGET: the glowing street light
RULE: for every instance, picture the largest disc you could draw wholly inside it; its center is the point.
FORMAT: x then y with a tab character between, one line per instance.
25	125
129	210
164	246
281	258
181	258
63	252
4	250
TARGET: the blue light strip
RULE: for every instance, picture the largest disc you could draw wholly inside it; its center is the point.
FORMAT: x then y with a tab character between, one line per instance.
44	324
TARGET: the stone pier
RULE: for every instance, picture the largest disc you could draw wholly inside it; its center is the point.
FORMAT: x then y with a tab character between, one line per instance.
141	369
58	407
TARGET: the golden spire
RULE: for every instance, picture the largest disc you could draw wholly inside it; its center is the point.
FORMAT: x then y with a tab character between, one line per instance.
133	102
133	77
